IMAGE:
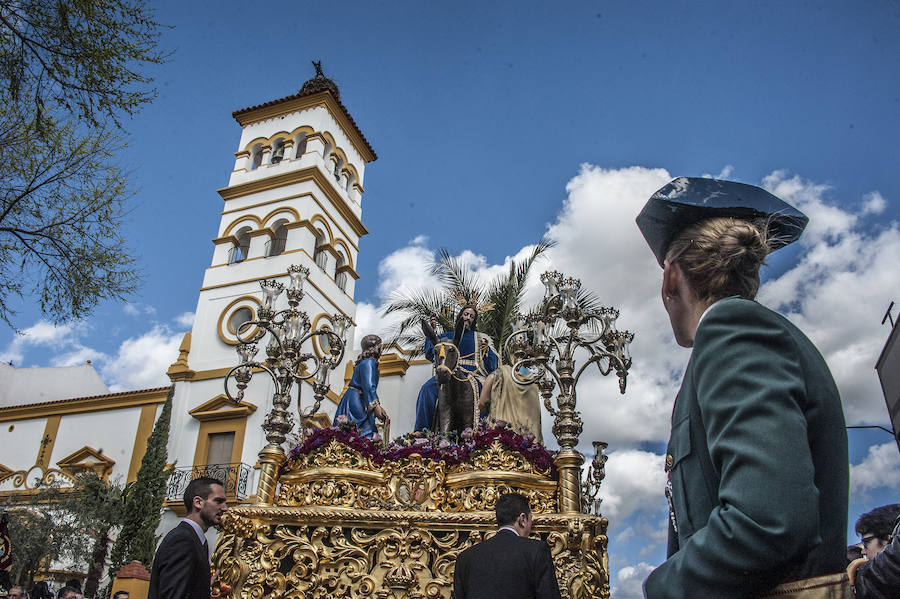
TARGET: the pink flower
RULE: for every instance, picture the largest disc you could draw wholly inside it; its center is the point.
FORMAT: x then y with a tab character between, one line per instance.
444	444
502	424
342	419
420	442
467	433
377	438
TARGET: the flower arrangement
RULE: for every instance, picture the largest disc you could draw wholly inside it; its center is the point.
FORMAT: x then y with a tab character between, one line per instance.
344	432
452	449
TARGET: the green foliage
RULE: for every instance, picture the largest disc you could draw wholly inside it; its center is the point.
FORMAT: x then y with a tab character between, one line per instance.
87	517
61	205
70	524
31	533
144	498
83	57
503	296
70	72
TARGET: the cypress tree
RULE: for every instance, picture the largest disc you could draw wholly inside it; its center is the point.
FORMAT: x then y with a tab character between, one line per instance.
144	498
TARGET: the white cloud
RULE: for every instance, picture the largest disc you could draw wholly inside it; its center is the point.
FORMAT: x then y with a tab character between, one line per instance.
136	309
634	500
370	321
879	469
142	361
40	334
405	269
185	320
873	203
598	242
139	362
79	354
725	173
826	221
837	292
634	482
628	582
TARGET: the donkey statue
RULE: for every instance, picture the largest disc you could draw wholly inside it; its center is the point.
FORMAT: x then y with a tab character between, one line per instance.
457	401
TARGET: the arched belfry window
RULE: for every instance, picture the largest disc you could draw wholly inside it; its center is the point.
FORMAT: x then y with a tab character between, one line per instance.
340	276
278	151
321	256
279	241
242	248
256	157
338	167
300	144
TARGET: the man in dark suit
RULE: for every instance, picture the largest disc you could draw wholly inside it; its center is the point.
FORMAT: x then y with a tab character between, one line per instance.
509	564
181	566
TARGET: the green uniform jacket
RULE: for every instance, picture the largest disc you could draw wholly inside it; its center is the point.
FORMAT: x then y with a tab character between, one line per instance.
757	459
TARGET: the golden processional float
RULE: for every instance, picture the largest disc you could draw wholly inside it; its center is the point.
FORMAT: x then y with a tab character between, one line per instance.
343	516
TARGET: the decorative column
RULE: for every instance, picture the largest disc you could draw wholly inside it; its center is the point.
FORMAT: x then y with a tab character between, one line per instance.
278	423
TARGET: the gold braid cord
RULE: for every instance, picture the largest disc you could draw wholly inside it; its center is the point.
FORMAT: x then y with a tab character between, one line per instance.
344	526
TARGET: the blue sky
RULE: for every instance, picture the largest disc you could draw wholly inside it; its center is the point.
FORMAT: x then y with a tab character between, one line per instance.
497	123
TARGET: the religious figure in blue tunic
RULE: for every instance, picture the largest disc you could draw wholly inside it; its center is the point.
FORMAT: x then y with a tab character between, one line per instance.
360	402
475	355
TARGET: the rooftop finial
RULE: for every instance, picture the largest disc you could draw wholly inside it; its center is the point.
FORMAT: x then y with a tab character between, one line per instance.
318	66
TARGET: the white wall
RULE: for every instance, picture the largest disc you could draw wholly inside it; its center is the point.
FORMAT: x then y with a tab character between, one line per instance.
113	431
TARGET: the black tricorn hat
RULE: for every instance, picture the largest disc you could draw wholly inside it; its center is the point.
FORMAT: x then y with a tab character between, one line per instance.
687	200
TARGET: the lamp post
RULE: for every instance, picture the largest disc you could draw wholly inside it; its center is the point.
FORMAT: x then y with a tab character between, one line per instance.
544	342
286	364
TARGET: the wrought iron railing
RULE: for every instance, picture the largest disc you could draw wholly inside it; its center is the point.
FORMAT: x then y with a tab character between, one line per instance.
235	477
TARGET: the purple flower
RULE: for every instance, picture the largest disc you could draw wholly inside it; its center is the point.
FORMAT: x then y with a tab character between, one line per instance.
377	438
444	444
342	419
420	442
467	433
502	424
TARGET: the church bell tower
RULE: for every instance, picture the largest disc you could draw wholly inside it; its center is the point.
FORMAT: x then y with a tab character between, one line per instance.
294	197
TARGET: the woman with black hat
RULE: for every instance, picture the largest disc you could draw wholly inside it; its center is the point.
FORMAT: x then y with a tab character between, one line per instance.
757	458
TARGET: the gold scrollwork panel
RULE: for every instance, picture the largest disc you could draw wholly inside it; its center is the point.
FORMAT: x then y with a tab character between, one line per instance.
300	553
339	476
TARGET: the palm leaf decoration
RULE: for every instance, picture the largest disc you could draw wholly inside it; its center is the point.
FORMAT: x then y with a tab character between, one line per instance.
498	300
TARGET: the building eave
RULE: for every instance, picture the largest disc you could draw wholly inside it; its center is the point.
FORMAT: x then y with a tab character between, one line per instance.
301	100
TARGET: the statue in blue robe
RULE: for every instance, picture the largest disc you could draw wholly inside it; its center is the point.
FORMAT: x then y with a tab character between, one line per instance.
360	402
475	355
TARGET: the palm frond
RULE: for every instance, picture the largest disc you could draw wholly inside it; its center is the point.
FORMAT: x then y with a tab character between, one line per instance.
457	279
419	305
460	286
506	294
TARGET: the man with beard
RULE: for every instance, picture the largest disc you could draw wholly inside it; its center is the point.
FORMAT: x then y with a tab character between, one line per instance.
181	565
475	356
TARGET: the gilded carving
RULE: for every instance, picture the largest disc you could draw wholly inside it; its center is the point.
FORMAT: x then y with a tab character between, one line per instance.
498	457
326	552
339	476
350	522
36	477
